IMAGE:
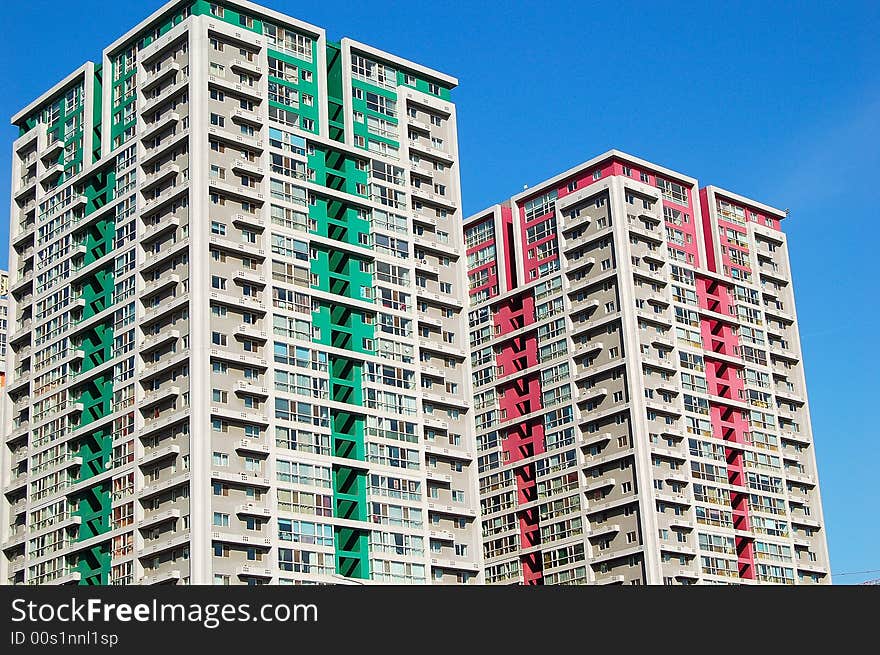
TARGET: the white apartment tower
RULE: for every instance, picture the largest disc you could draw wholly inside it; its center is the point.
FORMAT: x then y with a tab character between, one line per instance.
236	315
640	402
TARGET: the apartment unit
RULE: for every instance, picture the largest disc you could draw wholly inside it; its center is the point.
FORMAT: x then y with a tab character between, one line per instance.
236	315
639	394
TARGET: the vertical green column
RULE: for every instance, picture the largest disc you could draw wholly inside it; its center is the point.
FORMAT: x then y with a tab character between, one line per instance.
95	447
97	108
340	273
335	106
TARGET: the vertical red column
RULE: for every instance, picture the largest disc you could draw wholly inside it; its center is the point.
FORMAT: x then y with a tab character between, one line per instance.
518	398
720	345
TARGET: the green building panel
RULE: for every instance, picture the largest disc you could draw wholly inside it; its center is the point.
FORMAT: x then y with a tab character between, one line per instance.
306	83
360	105
97	108
335	105
343	326
95	446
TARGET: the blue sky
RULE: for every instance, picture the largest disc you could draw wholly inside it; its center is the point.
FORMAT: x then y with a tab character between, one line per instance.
780	103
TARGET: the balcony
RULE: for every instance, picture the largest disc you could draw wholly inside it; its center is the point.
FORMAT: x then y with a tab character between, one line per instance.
435	423
166	94
22	331
423	219
167	306
435	245
235	139
657	256
600	484
239	358
591	394
243	539
247	193
249	219
165	122
153	259
423	265
450	453
613	579
236	415
251	509
422	146
434	476
19	383
169	542
248	571
581	349
452	509
240	247
603	530
251	479
170	575
435	198
795	437
251	331
154	341
771	309
157	488
584	304
781	352
158	150
166	172
249	117
167	224
152	520
430	320
157	425
441	535
588	440
252	446
440	299
164	282
251	92
153	79
154	455
154	204
647	233
664	408
25	278
249	276
447	400
665	364
440	347
577	263
52	149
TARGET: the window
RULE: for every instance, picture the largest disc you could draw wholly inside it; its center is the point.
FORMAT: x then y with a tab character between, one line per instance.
288	41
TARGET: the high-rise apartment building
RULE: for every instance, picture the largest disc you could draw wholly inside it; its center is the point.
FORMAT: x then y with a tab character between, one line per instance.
639	393
236	315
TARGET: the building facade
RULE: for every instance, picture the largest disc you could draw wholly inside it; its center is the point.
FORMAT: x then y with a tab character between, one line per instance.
639	395
236	315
